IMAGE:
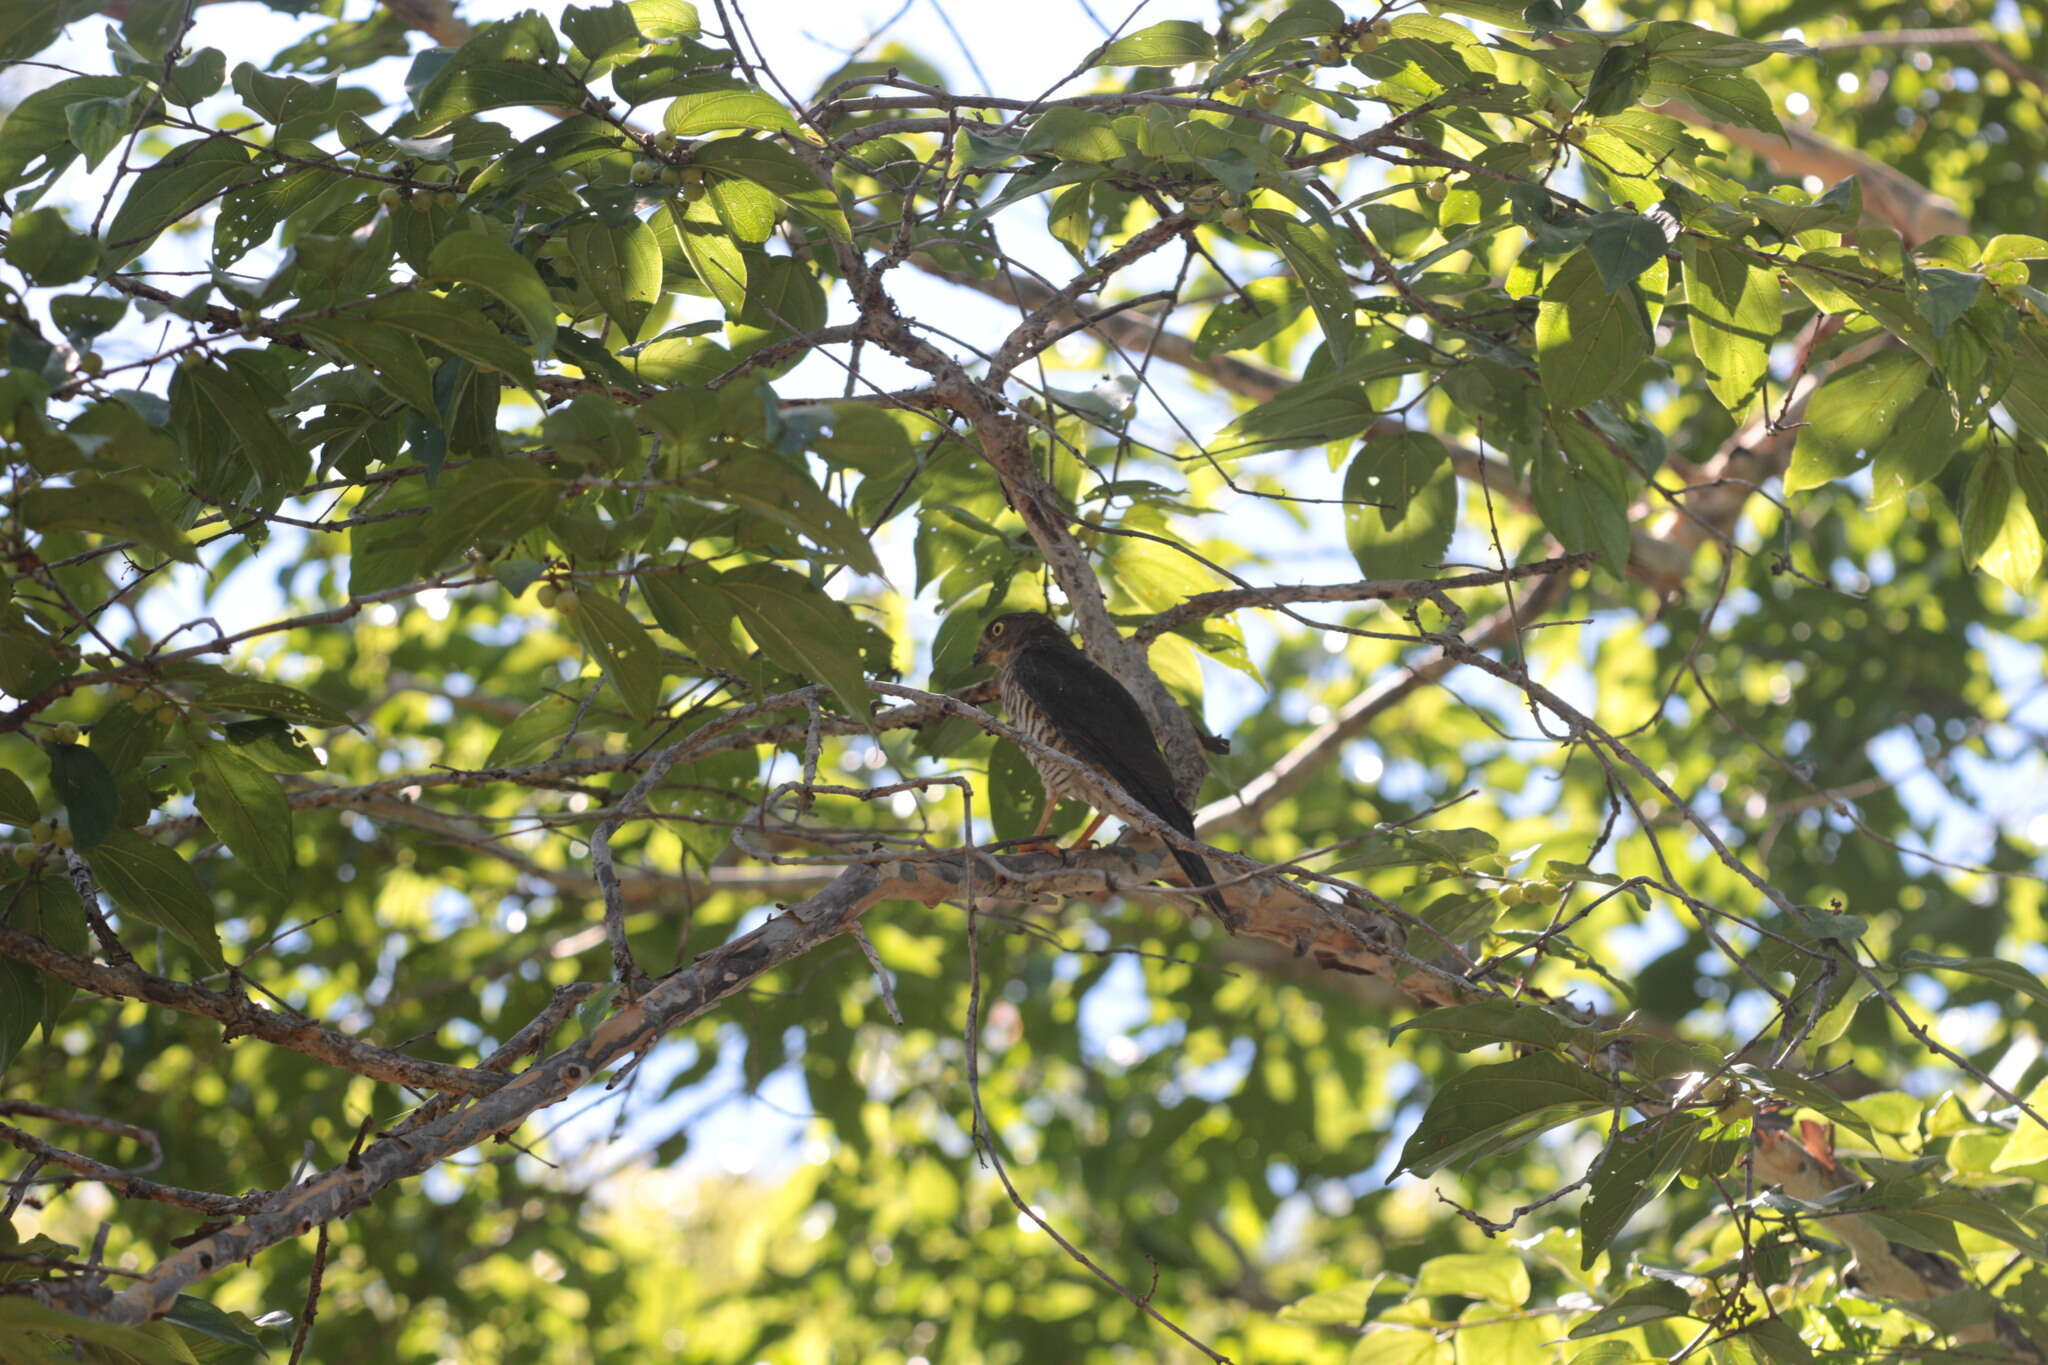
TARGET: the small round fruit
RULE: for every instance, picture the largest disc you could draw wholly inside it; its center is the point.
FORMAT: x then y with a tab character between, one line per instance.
565	602
692	193
389	196
1366	42
1545	893
693	175
1237	219
126	691
643	172
91	363
548	595
167	716
423	202
64	732
1238	86
62	838
144	702
25	855
665	139
41	832
1380	28
1329	54
447	199
1268	96
672	176
1436	190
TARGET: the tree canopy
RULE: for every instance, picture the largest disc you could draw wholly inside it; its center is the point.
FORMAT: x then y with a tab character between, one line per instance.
512	858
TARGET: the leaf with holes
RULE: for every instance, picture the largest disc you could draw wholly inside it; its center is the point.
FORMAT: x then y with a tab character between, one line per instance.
623	648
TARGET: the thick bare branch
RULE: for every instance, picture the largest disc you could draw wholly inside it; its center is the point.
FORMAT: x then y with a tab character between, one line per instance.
241	1016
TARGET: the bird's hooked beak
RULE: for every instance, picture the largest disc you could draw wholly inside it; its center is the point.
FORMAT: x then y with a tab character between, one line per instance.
980	652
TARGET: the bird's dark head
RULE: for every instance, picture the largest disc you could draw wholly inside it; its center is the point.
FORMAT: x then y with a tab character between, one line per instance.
1004	636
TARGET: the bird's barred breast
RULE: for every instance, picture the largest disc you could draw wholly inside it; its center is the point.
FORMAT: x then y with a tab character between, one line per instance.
1062	781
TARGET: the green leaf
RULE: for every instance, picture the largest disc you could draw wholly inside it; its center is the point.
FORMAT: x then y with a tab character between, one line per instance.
800	628
1405	546
273	699
48	907
600	30
1172	42
1578	507
154	885
390	356
1733	310
484	260
36	131
712	253
86	788
1486	1022
1496	1277
43	247
456	329
1850	417
666	20
1999	532
747	210
2026	397
715	102
1623	246
1392	470
1305	19
17	803
1073	134
623	648
271	742
1945	295
108	508
621	264
21	1007
493	501
1333	407
688	606
1345	1307
1649	1302
232	385
1311	255
464	88
780	491
778	171
533	729
1588	340
1916	448
20	1316
1493	1109
1721	95
1619	80
197	1315
28	26
244	806
1639	1163
124	737
182	180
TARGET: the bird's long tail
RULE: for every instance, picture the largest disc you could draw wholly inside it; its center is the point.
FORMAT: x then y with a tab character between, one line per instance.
1198	875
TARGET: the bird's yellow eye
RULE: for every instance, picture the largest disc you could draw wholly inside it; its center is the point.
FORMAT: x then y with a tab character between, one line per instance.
997	629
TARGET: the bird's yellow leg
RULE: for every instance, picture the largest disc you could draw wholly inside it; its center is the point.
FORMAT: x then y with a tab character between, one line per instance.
1038	843
1087	839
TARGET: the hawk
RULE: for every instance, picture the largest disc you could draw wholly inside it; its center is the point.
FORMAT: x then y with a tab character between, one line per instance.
1058	696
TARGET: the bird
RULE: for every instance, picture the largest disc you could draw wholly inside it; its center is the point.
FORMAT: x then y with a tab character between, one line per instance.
1060	697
